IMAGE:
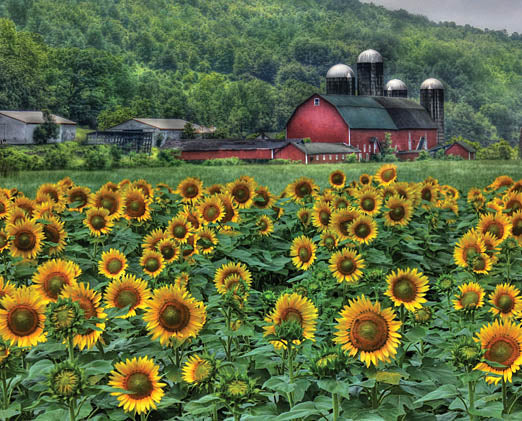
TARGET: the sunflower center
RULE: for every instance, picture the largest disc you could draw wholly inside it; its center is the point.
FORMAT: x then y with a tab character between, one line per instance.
324	217
517	228
362	230
404	289
211	213
51	234
174	316
388	175
22	321
341	204
292	315
329	242
469	299
64	317
140	385
368	204
127	297
241	193
304	189
337	179
304	254
426	194
135	205
202	371
25	240
369	332
80	198
495	229
397	213
347	266
152	264
114	266
179	231
364	180
479	263
505	303
168	252
55	285
501	351
108	203
263	225
191	190
237	388
261	200
98	222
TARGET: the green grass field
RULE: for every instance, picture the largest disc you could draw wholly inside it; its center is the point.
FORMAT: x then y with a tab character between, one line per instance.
460	174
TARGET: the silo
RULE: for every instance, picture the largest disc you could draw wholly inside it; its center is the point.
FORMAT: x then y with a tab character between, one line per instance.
396	88
370	73
340	80
432	98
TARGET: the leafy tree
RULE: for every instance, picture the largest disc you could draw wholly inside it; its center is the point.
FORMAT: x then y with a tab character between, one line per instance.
113	117
46	131
189	132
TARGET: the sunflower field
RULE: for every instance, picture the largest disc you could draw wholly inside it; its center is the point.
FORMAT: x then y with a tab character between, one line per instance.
372	299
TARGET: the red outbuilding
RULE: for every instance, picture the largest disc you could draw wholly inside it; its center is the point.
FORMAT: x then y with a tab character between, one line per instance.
317	153
461	149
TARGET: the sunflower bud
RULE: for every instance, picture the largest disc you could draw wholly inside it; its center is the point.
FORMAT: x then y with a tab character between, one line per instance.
466	354
64	319
422	315
445	283
328	362
289	330
66	381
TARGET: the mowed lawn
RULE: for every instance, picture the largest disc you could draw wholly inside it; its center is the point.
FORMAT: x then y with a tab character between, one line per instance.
460	174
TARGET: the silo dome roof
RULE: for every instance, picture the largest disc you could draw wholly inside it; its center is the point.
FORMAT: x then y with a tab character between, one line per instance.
340	70
370	56
432	83
395	85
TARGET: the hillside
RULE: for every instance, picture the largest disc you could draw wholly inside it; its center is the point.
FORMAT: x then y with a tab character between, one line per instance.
242	65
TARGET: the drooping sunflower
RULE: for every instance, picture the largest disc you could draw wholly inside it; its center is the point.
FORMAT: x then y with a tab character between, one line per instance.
516	187
499	225
301	189
321	215
78	198
182	280
346	265
429	192
341	221
369	201
6	288
471	297
502	341
53	276
302	252
190	189
211	210
191	214
145	187
113	264
501	181
89	301
152	263
470	245
4	240
506	301
190	248
329	239
27	241
263	199
179	229
123	185
365	179
98	221
304	215
168	249
197	370
55	193
151	240
242	192
54	233
363	229
265	225
22	317
482	263
407	287
229	269
44	209
136	205
174	314
140	382
215	189
206	240
127	291
363	327
292	308
386	174
108	199
28	205
337	179
516	226
16	215
5	205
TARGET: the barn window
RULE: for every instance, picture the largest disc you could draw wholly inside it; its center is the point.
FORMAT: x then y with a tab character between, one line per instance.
316	101
337	157
342	157
364	148
329	157
375	147
324	157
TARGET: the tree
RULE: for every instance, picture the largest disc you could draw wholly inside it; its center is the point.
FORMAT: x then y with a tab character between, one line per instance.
47	131
188	131
114	116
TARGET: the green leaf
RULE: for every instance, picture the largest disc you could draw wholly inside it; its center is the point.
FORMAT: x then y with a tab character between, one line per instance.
280	384
334	386
443	392
300	410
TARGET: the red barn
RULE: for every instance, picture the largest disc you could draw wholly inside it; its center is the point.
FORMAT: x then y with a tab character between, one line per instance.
362	122
461	149
317	153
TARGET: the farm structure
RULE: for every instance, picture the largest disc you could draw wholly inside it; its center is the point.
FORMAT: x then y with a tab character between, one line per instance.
317	153
17	127
461	149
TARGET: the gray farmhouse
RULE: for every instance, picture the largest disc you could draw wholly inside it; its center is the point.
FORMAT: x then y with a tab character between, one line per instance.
17	127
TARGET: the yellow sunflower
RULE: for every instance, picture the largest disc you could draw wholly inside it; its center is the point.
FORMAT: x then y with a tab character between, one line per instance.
168	249
301	189
302	252
471	297
98	221
4	240
429	192
151	240
108	199
197	370
292	308
190	189
5	206
329	239
89	302
242	192
182	280
127	291
365	179
321	215
516	187
139	382
501	181
304	215
369	201
337	179
468	247
386	174
22	318
482	263
145	188
43	210
516	226
78	198
54	233
123	185
16	215
502	341
215	189
400	212
506	301
346	265
55	193
191	247
27	241
136	205
6	288
363	229
53	276
341	222
152	263
179	229
112	264
191	214
265	225
263	199
407	287
499	225
174	314
341	202
229	269
211	210
206	240
492	245
363	327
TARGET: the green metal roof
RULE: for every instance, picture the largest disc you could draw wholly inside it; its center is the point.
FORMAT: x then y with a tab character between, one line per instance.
323	148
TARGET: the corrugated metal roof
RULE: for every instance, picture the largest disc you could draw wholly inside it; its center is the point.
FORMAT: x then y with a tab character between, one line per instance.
223	144
34	117
163	123
323	148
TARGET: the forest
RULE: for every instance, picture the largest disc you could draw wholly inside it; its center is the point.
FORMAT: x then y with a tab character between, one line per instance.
243	65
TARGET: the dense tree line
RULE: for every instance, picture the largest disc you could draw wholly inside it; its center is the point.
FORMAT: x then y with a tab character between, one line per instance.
240	65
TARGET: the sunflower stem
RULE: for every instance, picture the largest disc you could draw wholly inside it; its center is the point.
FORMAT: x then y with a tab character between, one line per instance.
70	348
72	416
402	314
504	394
335	404
375	402
471	390
215	413
290	372
5	402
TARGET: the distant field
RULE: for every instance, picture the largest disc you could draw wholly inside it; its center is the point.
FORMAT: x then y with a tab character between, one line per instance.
460	174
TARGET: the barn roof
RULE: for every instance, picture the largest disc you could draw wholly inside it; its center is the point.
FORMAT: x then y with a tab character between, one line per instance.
380	113
464	145
324	148
34	117
223	144
172	124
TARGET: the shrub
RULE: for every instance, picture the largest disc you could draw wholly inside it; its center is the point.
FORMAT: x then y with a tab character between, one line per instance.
98	157
280	161
220	162
351	158
424	156
169	158
47	131
57	156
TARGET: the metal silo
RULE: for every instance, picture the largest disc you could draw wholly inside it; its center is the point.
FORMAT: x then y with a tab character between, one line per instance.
340	80
370	73
432	98
396	88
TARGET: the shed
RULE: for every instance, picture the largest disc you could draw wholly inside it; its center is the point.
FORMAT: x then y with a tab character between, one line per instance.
317	153
457	148
17	127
